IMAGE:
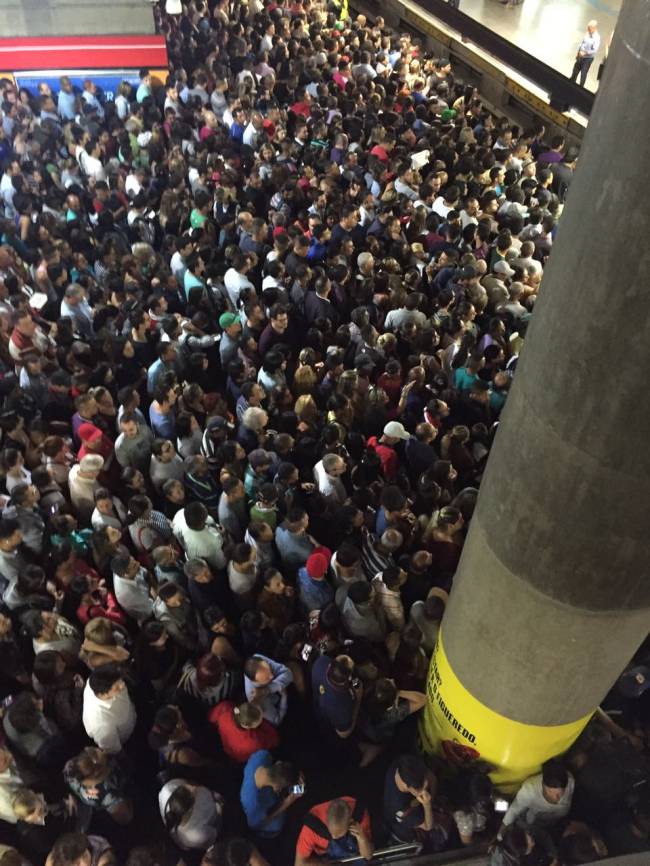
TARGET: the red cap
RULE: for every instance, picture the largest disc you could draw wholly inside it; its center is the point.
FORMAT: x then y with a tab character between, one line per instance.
318	562
89	433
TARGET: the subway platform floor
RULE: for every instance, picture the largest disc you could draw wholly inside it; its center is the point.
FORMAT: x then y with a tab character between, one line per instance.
548	29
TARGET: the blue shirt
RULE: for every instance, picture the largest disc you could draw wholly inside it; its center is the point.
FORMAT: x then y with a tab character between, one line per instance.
381	524
590	44
153	374
66	105
142	92
237	132
464	381
314	594
190	281
294	549
258	802
163	426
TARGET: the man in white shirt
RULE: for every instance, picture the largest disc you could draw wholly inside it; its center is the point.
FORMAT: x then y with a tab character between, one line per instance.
7	188
327	473
253	130
131	587
587	50
198	534
235	279
443	204
89	162
470	213
526	260
542	799
135	182
108	712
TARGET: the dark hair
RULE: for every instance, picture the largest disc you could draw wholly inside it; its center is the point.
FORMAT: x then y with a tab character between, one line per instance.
392	498
359	592
196	515
104	678
339	673
413	771
33	623
165	723
178	805
577	848
236	852
7	527
23	714
382	696
45	667
515	841
69	848
210	671
283	774
168	590
554	774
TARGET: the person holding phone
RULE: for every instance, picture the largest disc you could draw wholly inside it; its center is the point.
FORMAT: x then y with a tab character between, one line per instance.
337	697
268	789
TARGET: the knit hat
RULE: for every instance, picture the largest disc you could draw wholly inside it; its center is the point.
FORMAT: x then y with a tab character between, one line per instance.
318	563
89	433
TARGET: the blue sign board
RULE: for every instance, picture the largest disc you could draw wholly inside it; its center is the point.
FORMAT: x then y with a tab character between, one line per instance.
107	80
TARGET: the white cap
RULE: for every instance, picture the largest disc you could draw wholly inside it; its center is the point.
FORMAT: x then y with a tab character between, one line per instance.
396	430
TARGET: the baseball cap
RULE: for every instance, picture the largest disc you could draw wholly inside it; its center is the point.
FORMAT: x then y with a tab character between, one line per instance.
217	423
318	563
259	457
634	681
503	268
89	433
396	430
227	319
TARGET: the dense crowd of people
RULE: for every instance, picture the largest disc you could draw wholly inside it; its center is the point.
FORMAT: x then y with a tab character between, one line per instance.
257	327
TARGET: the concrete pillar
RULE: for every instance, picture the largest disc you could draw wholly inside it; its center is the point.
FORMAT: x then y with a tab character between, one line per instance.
552	594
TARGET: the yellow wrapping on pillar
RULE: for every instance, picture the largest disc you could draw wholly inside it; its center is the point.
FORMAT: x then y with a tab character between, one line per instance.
462	730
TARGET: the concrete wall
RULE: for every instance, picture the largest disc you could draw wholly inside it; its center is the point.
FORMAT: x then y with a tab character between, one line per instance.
75	17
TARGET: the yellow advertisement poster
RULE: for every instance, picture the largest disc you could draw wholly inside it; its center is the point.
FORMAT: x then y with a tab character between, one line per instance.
463	731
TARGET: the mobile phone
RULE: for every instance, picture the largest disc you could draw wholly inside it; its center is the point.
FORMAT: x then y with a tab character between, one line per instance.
298	789
306	651
501	805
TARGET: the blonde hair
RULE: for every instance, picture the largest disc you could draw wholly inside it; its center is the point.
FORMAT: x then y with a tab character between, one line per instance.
304	380
25	803
100	630
305	408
